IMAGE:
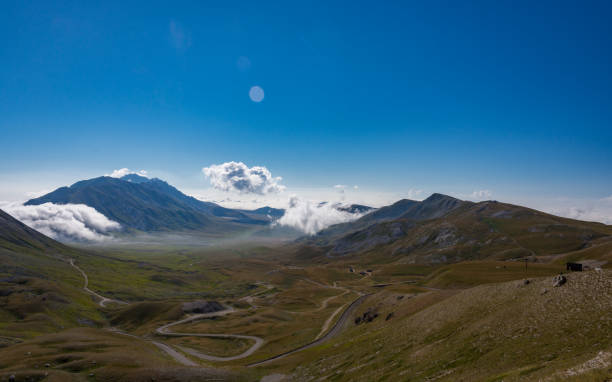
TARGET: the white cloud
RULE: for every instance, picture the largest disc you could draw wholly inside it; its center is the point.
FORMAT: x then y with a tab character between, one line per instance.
238	177
596	210
67	222
311	217
373	198
126	171
481	194
414	194
356	187
588	214
340	188
476	195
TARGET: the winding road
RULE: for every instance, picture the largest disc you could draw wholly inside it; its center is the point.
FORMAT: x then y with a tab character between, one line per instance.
163	330
178	357
258	341
335	330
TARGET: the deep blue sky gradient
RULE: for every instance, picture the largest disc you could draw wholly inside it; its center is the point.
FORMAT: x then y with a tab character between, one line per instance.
510	96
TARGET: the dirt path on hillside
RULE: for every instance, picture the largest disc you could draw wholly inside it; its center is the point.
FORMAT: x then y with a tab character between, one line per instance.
103	300
325	301
164	330
249	299
178	357
328	322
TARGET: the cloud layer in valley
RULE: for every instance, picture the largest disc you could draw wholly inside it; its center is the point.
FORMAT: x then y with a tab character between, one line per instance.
311	217
67	222
238	177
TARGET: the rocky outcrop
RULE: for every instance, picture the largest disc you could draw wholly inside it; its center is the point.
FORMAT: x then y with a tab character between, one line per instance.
559	280
202	307
368	316
371	237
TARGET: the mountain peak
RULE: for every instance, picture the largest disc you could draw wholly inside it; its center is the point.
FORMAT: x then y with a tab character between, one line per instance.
139	203
437	197
135	178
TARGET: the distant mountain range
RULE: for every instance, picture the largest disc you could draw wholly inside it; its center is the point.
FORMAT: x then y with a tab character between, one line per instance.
443	229
438	229
435	206
148	205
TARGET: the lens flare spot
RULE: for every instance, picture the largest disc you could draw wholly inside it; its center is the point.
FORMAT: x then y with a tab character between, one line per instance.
256	94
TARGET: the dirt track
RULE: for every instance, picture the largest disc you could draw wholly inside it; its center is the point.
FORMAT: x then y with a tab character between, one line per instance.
103	300
163	330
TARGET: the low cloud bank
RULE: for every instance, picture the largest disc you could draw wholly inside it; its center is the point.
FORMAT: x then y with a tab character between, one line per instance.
599	210
66	222
311	217
238	177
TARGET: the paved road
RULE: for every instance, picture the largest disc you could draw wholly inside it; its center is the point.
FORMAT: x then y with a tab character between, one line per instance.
328	322
335	330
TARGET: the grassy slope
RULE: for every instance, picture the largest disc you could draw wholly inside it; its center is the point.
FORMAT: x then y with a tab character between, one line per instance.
74	354
249	267
39	291
506	331
486	230
431	332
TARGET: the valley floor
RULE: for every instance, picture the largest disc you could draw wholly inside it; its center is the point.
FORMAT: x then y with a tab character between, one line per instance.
286	318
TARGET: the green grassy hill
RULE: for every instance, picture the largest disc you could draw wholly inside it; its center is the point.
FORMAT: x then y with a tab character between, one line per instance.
15	235
435	206
509	331
473	231
39	291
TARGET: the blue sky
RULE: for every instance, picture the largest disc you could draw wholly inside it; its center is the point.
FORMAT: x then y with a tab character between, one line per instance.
508	96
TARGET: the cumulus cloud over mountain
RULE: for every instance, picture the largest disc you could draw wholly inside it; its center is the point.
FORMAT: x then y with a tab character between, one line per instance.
238	177
71	222
126	171
311	217
480	195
